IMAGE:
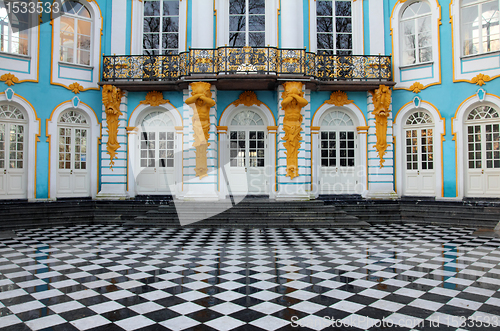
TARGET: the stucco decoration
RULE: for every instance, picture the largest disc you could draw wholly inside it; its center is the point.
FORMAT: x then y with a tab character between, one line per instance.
293	101
381	102
111	99
201	101
247	98
416	87
9	79
154	98
75	87
480	79
338	99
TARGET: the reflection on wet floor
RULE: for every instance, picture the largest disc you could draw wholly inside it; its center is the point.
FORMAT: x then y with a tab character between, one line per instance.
108	277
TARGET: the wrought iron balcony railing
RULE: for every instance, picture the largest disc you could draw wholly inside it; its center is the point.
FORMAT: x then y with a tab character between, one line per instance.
246	60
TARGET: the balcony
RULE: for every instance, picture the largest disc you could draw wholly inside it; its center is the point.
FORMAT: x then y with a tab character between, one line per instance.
259	68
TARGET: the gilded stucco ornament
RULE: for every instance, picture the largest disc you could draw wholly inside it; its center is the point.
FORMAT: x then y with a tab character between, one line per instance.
201	101
111	99
381	103
247	98
338	99
416	87
293	101
154	98
75	88
480	79
9	79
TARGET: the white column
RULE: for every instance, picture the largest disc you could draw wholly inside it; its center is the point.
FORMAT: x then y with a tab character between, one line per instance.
380	180
377	41
118	26
202	35
292	21
298	188
114	179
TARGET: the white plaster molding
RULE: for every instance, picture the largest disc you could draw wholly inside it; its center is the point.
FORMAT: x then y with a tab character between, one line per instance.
93	147
33	123
398	130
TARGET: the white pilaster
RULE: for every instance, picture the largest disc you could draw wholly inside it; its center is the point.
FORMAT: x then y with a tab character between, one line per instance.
292	34
118	26
114	179
203	24
377	41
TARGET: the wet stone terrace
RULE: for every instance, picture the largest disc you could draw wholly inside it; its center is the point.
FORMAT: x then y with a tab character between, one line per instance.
386	277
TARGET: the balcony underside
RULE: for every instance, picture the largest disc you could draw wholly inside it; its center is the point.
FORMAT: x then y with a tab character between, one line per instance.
248	82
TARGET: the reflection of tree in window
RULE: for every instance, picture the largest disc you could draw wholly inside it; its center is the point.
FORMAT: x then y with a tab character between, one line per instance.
480	26
247	23
416	33
161	27
75	34
334	27
13	32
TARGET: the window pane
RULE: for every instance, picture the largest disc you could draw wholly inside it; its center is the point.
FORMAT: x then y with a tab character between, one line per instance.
171	24
236	39
237	23
256	6
256	23
324	24
256	39
237	7
343	25
171	7
324	8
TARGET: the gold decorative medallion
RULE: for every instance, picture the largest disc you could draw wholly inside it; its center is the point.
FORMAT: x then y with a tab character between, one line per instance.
201	101
9	79
416	87
381	102
293	101
154	98
75	88
338	99
247	98
480	79
111	99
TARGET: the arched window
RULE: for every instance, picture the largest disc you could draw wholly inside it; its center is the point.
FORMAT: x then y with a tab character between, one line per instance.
483	138
416	34
161	27
13	31
247	24
75	33
419	141
334	27
480	26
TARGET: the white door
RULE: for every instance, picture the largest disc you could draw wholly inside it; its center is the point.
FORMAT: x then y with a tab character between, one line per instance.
247	154
73	178
12	153
483	153
420	175
156	155
337	151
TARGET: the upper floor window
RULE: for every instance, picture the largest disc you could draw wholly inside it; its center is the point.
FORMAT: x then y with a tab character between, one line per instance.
416	33
75	34
334	27
247	23
13	32
161	27
480	26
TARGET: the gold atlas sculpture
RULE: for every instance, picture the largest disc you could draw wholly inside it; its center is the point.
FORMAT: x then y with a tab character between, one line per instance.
111	99
381	103
201	101
293	101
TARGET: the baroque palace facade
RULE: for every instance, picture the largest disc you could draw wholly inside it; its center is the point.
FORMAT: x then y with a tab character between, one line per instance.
289	99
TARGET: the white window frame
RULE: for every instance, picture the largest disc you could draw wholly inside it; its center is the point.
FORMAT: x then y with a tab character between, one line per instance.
465	68
399	126
357	27
414	19
222	28
137	27
24	67
479	5
426	73
64	73
76	19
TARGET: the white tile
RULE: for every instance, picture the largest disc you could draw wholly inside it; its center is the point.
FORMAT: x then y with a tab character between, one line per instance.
230	285
12	294
186	308
227	308
64	283
307	307
108	275
358	321
270	323
134	323
350	307
31	283
9	320
90	322
193	285
105	307
267	307
463	303
81	294
146	307
191	295
131	284
426	304
311	322
409	292
179	323
45	322
66	306
120	294
27	306
372	293
155	295
224	323
229	295
387	305
444	291
338	294
302	295
403	320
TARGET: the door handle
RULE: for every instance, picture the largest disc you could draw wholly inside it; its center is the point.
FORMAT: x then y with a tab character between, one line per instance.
482	171
245	169
71	172
418	172
4	171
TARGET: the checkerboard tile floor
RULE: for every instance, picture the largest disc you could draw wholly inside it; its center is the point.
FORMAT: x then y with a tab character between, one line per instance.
387	277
